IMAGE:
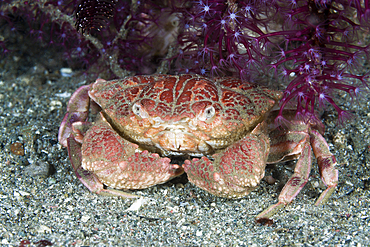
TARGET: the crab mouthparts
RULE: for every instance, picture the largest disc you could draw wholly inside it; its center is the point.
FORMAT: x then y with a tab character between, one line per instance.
178	140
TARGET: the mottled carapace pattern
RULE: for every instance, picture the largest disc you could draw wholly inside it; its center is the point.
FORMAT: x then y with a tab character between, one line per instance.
239	104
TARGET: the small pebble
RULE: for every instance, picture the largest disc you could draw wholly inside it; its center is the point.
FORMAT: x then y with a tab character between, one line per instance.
43	229
17	148
85	218
40	169
66	72
270	180
137	204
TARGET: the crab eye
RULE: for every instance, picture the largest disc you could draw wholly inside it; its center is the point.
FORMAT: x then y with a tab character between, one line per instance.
139	111
207	114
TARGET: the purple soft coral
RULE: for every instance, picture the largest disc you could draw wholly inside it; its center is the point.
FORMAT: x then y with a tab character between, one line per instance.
316	46
323	52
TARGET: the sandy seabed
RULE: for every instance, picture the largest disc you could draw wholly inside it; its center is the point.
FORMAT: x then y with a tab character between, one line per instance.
42	202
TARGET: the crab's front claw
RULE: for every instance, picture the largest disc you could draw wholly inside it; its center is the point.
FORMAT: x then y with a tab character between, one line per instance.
89	179
118	163
105	158
77	111
233	173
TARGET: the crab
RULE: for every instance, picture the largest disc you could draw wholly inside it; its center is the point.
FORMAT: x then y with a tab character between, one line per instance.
222	130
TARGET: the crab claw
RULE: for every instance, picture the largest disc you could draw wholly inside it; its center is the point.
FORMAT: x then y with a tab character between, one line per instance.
117	163
234	172
88	178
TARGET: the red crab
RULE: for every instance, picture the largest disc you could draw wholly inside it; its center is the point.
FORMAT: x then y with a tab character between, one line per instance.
223	129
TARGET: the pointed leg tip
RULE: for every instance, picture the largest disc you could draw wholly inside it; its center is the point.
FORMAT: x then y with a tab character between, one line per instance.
270	211
325	195
119	193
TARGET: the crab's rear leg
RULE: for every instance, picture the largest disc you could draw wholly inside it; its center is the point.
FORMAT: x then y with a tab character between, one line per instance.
294	185
77	111
327	162
78	108
329	175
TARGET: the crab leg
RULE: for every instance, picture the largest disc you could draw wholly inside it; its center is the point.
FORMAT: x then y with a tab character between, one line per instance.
294	185
77	111
326	161
329	175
